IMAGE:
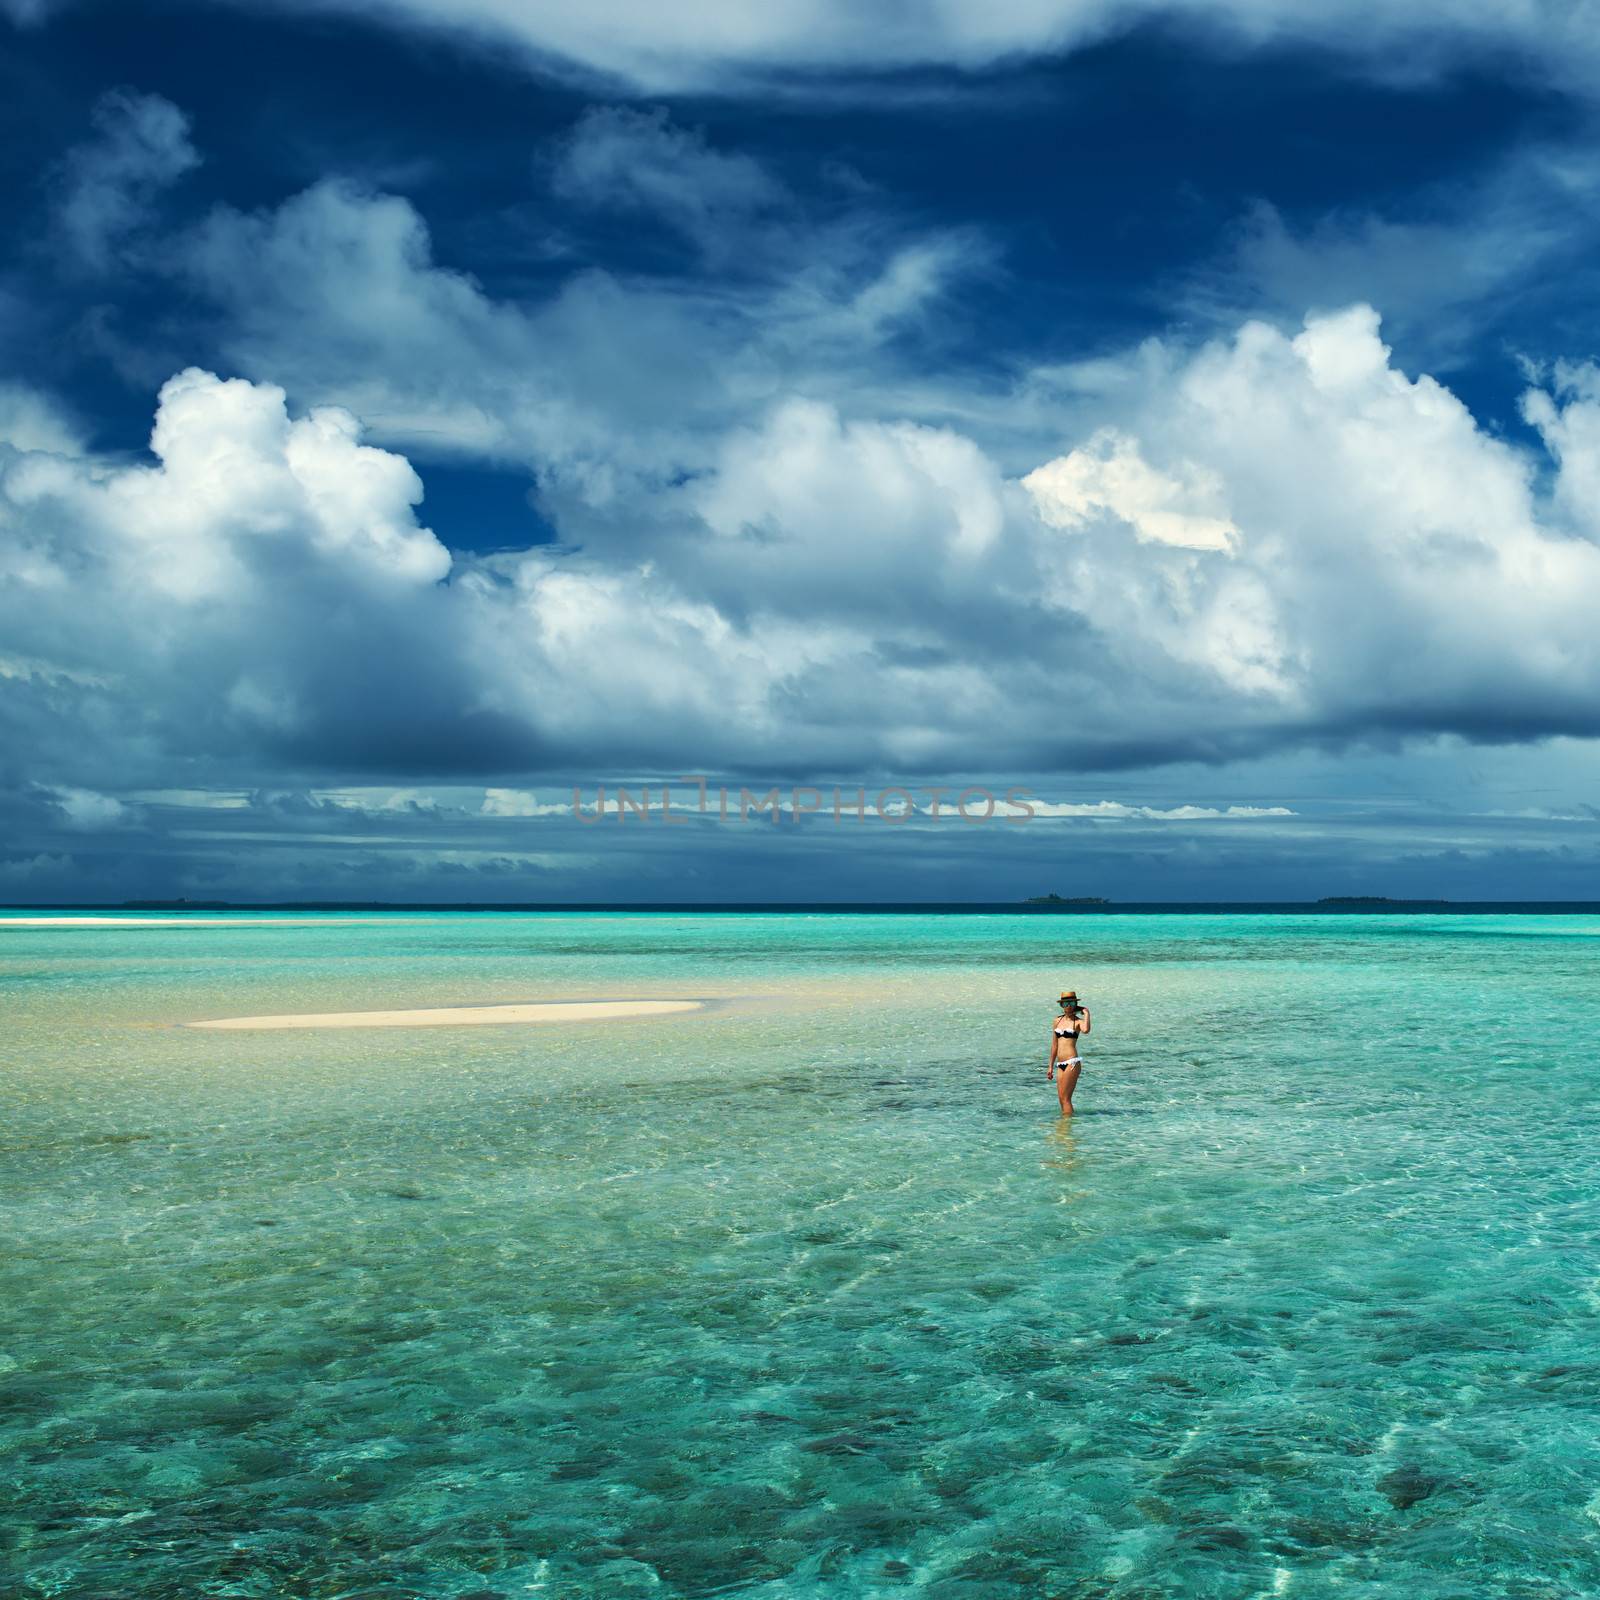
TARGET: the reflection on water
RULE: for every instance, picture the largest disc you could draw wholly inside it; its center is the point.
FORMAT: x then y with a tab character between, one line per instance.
1062	1161
814	1294
1063	1145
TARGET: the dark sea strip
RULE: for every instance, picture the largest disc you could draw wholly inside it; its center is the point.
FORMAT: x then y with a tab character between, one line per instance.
1136	908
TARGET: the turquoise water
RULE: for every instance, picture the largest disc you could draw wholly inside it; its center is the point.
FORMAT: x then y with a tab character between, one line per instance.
811	1292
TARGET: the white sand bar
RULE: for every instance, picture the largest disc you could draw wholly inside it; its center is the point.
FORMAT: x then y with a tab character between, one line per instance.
465	1016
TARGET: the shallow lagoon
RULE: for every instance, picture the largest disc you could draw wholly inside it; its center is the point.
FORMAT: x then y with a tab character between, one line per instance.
808	1293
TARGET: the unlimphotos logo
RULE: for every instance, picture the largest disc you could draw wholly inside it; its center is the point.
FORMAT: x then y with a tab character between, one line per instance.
893	804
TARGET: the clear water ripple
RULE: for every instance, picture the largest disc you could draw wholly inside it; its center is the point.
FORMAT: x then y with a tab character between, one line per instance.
811	1294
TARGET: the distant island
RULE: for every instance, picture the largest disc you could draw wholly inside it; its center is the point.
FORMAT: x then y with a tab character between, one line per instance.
176	905
1060	900
1375	900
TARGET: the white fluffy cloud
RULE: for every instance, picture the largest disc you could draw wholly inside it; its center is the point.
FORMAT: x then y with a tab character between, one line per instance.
1569	423
830	594
31	421
610	390
731	45
228	597
236	479
1109	477
807	478
1379	527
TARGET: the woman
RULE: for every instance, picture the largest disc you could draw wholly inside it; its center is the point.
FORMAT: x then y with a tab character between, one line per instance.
1065	1062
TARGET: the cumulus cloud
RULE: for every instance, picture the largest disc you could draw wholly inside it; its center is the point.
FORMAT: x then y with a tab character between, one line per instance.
829	595
1568	420
33	421
1109	477
729	46
141	146
229	595
799	478
236	477
337	294
353	272
1374	516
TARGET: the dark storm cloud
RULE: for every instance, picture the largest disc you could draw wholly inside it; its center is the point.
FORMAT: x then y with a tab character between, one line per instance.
507	845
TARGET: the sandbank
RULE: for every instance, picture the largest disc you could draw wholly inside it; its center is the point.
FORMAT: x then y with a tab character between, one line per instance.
465	1016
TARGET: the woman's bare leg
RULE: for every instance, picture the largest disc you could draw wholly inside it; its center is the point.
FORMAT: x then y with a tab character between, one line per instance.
1066	1082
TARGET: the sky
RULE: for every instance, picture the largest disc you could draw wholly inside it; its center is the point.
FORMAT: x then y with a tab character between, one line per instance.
417	416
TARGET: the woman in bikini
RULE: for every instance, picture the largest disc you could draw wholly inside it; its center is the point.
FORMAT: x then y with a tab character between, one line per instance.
1065	1062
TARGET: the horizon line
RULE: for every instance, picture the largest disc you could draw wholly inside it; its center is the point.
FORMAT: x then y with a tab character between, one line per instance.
1096	907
